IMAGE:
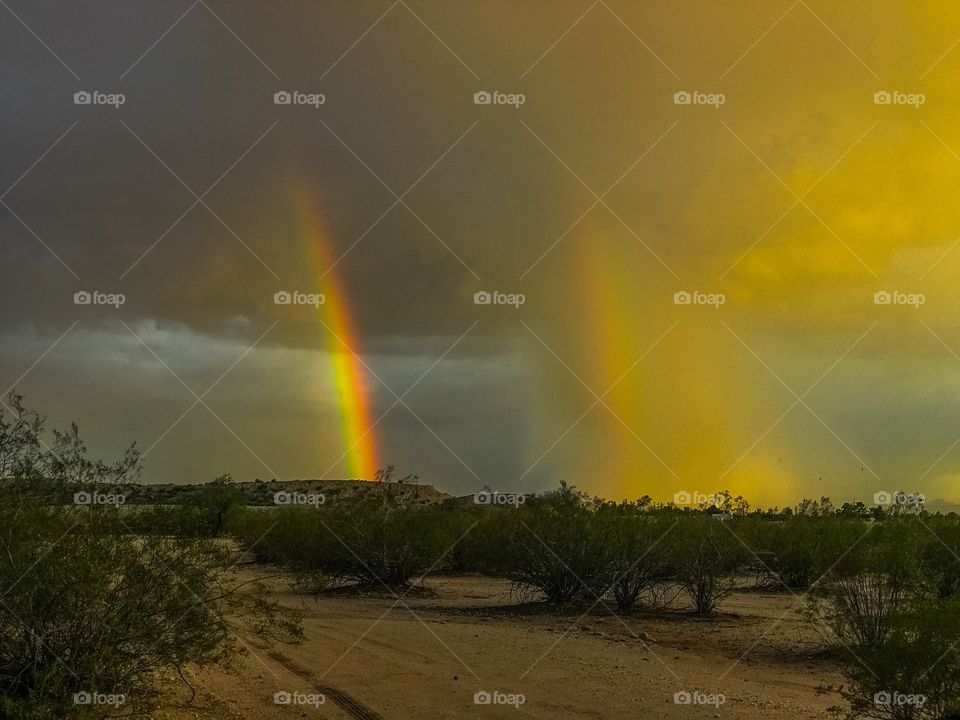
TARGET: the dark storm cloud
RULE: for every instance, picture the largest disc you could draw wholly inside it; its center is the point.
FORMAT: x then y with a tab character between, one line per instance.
108	208
200	100
598	199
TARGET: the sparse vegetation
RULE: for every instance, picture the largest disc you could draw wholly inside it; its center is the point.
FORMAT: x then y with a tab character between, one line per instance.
100	595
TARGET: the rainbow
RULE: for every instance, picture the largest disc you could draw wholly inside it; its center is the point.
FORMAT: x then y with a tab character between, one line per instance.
349	376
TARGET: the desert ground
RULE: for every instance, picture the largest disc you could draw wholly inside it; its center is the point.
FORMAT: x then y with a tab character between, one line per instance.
427	654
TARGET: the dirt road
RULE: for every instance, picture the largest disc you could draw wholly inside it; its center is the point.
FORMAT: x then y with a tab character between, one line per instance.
428	655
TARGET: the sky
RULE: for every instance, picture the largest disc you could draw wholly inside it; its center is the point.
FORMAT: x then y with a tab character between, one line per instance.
776	163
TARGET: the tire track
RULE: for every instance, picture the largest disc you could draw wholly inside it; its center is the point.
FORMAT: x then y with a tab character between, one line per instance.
350	704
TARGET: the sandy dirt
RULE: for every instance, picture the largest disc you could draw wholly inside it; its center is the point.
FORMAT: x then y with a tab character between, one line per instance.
426	655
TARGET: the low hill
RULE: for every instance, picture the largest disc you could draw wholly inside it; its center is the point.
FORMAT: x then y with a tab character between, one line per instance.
262	492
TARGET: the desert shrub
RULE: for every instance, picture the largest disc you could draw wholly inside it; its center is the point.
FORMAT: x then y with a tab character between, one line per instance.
635	554
941	556
370	538
38	467
554	547
483	548
913	672
786	554
876	578
794	553
214	501
88	606
706	558
274	535
177	521
887	604
88	609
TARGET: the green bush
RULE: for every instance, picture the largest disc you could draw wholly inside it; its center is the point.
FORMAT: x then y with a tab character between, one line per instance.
794	553
554	547
706	557
941	556
176	521
87	609
913	672
877	577
372	539
369	538
896	636
214	501
87	605
636	557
